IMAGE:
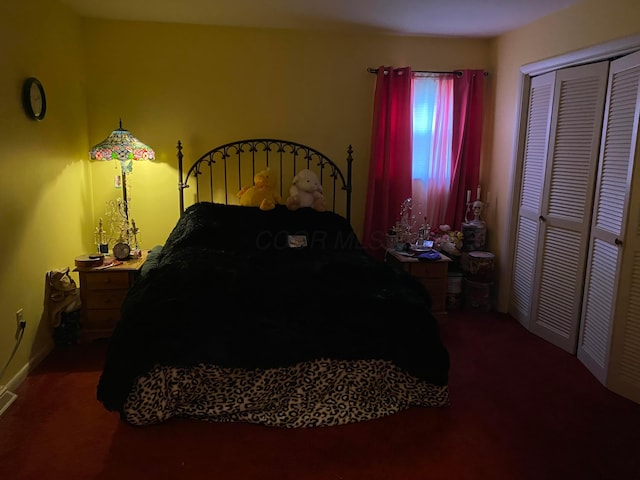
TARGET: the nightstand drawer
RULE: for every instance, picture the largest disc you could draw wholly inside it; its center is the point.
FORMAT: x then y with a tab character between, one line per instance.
427	269
105	299
107	280
102	319
432	274
102	292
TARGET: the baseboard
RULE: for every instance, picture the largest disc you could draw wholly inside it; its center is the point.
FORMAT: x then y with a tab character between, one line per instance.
7	397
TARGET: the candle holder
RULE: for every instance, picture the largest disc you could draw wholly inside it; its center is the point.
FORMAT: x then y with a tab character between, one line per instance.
467	210
134	232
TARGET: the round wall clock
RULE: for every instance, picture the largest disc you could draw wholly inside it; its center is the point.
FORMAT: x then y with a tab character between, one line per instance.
33	98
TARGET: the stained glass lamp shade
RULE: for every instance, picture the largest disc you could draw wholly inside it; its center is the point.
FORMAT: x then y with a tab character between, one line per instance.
123	146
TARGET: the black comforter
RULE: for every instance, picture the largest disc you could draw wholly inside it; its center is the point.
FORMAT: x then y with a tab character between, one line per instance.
228	289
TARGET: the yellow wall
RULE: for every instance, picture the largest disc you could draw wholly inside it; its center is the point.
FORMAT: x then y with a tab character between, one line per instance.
45	185
201	85
207	86
589	23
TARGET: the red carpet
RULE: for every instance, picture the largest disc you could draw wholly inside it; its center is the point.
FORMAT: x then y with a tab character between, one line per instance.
521	409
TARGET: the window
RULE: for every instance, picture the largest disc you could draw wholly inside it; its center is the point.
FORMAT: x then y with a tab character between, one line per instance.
444	163
432	140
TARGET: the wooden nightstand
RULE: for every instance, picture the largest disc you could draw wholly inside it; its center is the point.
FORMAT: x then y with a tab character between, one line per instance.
102	291
433	274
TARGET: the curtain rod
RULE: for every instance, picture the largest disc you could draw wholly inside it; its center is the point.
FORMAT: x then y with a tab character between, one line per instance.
458	73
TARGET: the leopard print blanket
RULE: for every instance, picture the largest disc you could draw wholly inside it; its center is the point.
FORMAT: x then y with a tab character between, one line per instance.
307	394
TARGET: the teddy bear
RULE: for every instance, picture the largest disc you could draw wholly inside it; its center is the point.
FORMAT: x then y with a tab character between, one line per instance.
262	193
306	191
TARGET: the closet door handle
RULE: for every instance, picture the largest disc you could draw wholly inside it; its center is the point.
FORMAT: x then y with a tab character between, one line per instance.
617	241
542	219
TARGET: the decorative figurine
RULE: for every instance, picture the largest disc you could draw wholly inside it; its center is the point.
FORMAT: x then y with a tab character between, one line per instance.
101	238
478	209
475	230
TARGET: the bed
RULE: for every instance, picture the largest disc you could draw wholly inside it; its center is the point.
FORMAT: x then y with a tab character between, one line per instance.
234	319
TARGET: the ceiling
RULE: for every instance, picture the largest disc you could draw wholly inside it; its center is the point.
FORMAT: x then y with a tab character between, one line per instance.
463	18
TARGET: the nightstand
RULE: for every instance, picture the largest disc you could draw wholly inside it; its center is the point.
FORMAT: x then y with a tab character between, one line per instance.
433	274
102	291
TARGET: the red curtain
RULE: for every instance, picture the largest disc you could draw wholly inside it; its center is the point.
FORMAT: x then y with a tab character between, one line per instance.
468	101
390	164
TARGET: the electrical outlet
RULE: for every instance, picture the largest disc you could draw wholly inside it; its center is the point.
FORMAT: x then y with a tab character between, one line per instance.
21	323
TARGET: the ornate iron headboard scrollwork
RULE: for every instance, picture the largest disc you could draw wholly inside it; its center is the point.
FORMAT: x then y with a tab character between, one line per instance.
221	172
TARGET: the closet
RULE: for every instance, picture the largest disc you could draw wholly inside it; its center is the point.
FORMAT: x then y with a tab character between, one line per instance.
576	263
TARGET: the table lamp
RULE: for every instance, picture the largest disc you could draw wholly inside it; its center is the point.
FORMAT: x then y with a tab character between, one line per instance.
123	146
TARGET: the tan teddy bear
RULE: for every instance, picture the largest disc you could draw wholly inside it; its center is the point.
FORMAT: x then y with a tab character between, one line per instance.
263	193
306	191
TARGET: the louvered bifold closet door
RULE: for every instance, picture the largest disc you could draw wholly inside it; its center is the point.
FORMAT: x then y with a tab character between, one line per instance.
612	286
534	159
576	126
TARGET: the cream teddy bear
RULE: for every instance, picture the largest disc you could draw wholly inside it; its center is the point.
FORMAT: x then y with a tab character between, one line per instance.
306	191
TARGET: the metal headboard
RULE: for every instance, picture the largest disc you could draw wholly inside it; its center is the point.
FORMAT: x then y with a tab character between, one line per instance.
224	170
